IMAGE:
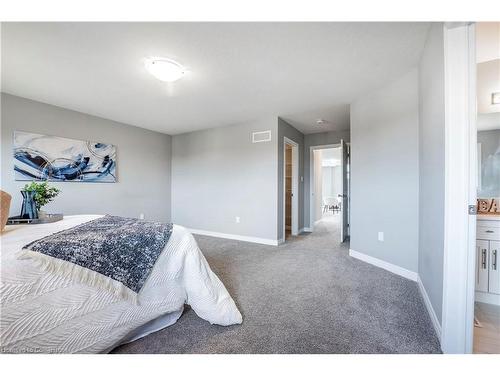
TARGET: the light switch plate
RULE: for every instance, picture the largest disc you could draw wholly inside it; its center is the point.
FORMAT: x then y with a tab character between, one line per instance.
381	236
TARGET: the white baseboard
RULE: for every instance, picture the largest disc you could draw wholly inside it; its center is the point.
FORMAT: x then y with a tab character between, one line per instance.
264	241
385	265
492	299
305	229
430	309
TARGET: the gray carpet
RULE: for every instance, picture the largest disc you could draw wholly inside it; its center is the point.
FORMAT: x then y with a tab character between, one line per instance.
307	296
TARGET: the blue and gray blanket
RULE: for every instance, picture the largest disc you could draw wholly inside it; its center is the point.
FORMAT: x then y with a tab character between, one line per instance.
123	250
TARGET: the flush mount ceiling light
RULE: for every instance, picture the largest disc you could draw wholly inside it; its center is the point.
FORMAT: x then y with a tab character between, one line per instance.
320	121
165	70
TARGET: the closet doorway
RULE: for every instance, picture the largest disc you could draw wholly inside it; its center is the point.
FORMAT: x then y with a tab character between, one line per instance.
290	191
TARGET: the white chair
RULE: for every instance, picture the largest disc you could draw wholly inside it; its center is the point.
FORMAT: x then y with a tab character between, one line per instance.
328	204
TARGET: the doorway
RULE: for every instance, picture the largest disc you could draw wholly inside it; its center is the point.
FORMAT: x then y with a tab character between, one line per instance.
487	272
290	189
329	187
468	258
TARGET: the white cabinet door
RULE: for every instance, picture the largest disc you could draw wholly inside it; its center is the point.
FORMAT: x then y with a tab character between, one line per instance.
482	265
494	284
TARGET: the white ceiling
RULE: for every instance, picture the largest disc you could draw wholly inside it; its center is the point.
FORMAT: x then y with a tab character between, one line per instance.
238	71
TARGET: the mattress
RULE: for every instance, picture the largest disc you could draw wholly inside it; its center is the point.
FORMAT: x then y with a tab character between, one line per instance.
46	313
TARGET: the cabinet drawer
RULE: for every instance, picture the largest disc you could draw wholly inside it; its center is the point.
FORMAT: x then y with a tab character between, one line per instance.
488	233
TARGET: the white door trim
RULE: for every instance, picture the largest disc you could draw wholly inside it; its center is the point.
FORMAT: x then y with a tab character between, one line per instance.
295	187
460	189
311	180
344	220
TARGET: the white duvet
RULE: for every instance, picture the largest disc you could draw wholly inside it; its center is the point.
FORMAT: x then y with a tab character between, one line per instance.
44	313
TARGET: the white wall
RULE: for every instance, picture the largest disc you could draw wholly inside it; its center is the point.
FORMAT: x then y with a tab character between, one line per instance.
488	82
218	174
332	177
327	182
487	41
318	184
431	167
143	162
384	172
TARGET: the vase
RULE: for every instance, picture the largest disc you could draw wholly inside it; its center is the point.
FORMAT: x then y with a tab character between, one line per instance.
28	210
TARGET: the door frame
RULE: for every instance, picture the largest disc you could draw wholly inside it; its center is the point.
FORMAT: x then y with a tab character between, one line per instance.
311	180
295	187
460	188
344	221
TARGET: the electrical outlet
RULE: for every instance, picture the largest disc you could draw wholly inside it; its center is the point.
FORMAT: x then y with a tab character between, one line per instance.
141	216
237	219
381	236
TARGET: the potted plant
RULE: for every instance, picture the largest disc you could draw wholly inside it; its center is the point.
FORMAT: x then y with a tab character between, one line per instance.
42	194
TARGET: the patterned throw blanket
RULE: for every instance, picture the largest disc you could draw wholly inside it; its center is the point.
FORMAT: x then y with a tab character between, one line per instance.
111	252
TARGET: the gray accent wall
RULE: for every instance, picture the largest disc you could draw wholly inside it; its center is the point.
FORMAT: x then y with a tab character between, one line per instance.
288	131
143	162
317	139
219	174
431	167
384	172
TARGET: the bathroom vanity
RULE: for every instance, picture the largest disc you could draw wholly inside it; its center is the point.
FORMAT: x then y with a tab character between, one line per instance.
487	259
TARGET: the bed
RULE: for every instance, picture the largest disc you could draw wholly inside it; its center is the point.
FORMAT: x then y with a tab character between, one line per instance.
42	312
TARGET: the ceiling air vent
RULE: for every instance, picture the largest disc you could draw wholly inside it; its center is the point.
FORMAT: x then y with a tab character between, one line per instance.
264	136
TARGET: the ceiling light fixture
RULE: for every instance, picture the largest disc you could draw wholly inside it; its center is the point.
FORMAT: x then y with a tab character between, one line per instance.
165	70
320	121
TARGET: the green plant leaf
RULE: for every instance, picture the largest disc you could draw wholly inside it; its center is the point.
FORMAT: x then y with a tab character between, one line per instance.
43	193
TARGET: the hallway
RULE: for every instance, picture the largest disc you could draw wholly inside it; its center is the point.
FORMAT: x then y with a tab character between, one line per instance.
326	232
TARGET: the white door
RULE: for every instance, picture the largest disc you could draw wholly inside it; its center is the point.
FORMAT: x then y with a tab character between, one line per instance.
482	265
344	224
494	277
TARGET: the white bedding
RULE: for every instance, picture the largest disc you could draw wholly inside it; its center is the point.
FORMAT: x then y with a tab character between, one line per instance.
43	313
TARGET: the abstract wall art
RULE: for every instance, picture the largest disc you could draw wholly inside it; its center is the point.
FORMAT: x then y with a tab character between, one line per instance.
48	158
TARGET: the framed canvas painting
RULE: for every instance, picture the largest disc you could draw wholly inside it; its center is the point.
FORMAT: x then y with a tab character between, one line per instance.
40	157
